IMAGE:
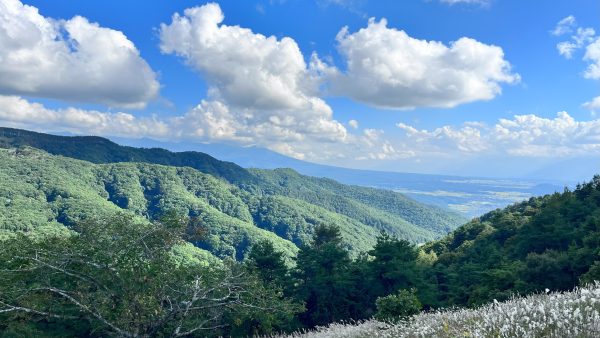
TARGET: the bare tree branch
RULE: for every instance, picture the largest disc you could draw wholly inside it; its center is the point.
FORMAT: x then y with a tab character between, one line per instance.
87	309
13	308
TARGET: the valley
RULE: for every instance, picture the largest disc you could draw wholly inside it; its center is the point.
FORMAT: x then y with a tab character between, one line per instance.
465	195
299	169
300	241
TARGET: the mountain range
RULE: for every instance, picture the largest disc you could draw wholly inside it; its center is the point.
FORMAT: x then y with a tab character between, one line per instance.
351	244
470	196
55	181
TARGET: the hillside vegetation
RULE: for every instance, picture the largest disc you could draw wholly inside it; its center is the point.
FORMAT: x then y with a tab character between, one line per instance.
546	242
41	190
382	209
319	251
359	210
44	192
103	269
121	277
100	150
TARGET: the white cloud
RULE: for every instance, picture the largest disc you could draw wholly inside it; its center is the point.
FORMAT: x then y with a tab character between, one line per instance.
593	105
375	147
387	68
528	136
564	26
592	55
209	121
523	135
566	48
582	37
72	60
217	121
243	68
386	152
476	2
465	139
261	91
18	112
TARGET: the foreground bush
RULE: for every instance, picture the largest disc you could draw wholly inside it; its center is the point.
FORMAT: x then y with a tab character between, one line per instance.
399	306
568	314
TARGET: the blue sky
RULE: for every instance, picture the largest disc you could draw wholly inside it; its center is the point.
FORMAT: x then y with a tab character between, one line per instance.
178	88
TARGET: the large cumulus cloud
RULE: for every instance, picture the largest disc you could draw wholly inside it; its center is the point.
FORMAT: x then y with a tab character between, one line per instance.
260	88
386	67
73	60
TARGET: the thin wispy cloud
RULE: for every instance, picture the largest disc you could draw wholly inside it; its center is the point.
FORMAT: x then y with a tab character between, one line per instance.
564	26
581	39
467	2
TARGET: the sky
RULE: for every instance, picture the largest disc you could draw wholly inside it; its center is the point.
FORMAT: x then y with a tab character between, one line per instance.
477	87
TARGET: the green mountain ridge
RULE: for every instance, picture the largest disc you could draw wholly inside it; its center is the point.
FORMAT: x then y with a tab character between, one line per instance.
65	191
548	242
148	182
100	150
46	190
345	199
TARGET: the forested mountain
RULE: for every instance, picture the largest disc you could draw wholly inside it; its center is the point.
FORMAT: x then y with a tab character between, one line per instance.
42	191
470	196
279	201
549	242
348	244
100	150
384	206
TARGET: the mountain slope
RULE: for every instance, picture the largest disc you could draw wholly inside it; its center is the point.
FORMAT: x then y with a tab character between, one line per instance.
470	196
41	190
546	242
379	209
44	192
100	150
385	209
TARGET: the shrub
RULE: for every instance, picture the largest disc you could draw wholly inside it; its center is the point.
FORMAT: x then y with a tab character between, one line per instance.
399	306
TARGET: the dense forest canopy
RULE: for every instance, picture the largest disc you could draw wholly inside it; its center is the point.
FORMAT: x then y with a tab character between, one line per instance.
549	242
275	253
546	242
148	182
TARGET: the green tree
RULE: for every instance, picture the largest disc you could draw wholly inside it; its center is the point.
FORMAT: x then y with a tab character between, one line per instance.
398	306
120	277
324	283
269	264
394	265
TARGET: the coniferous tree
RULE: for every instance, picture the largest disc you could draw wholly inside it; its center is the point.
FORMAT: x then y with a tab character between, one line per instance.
323	277
394	265
269	264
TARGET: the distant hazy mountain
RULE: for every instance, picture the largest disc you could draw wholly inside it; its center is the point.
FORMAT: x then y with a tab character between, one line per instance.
470	196
576	170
